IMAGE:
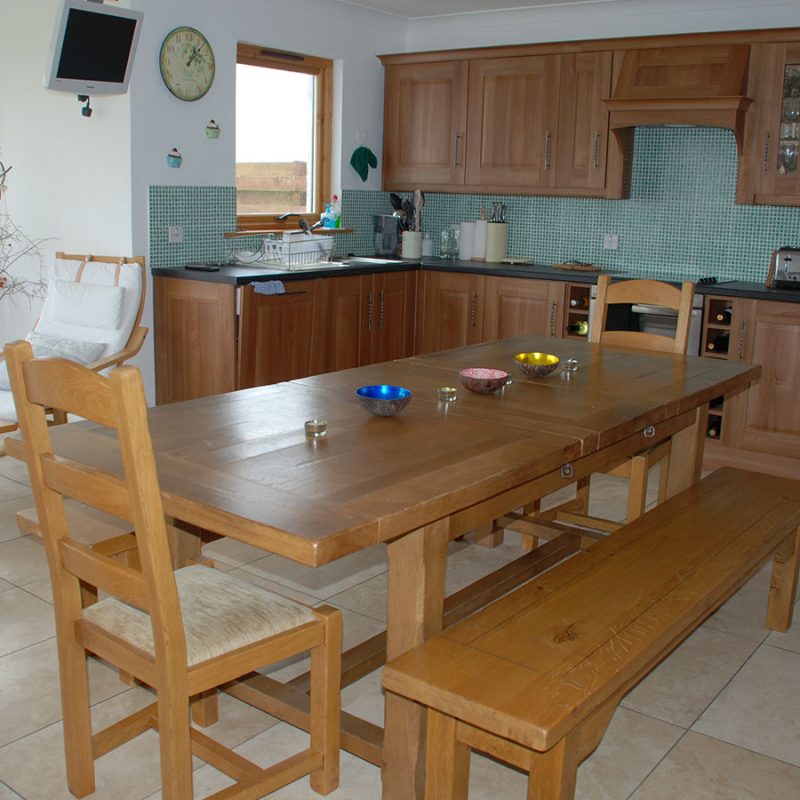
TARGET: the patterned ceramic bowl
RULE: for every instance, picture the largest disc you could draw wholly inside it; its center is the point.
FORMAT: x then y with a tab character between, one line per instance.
483	380
537	365
384	400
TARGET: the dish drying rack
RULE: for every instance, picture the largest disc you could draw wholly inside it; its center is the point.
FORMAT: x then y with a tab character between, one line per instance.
290	251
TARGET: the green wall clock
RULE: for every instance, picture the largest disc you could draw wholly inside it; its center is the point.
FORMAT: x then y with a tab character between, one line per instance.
187	63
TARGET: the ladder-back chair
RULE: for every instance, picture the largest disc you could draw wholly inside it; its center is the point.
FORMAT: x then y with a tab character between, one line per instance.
182	632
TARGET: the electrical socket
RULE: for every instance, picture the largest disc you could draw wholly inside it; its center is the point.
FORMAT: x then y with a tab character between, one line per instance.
610	241
175	234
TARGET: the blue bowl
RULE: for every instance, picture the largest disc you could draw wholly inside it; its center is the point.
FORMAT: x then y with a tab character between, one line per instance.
384	400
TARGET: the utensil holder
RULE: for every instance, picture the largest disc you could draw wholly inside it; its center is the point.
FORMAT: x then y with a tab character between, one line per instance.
412	245
496	241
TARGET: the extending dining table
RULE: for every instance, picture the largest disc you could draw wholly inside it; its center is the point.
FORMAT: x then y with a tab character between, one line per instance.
240	465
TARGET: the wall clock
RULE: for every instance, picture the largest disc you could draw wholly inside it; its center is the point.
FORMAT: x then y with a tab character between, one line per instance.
187	63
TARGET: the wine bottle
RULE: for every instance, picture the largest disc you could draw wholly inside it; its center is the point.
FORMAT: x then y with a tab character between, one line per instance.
724	316
719	344
579	328
579	302
712	431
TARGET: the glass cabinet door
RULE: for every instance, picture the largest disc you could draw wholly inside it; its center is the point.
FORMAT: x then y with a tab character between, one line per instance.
790	121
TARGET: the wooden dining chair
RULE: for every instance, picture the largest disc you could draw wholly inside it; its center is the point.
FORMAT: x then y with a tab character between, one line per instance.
535	523
182	632
92	313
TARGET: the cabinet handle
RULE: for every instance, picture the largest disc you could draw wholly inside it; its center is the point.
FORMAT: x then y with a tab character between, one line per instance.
553	309
742	326
547	150
380	312
474	318
649	432
597	149
369	312
766	152
457	162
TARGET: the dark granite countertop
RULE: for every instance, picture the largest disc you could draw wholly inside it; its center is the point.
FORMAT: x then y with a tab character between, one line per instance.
240	275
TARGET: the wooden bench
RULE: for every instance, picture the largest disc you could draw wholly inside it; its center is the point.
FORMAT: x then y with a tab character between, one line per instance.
534	678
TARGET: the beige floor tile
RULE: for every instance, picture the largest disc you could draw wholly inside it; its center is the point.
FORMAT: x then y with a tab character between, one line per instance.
7	794
42	588
683	685
272	586
364	698
631	748
760	707
34	766
8	511
238	722
745	613
13	469
11	490
229	551
26	620
325	581
5	585
22	561
702	768
367	598
791	639
30	698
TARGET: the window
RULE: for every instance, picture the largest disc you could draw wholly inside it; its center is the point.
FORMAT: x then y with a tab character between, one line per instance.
283	136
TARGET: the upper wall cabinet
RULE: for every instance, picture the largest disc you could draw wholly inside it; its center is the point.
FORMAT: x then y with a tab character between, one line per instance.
770	168
520	125
425	120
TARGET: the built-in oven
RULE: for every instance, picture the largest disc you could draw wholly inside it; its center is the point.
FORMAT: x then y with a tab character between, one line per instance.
655	319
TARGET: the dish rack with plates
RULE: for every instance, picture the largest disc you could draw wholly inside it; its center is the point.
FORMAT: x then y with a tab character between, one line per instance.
290	251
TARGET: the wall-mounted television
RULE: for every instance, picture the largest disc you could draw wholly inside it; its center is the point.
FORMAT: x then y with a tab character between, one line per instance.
93	48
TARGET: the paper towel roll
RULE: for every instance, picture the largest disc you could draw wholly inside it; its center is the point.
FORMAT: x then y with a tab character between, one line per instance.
466	243
479	246
496	241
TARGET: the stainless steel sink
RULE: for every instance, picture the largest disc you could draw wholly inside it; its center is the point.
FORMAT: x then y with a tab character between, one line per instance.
359	261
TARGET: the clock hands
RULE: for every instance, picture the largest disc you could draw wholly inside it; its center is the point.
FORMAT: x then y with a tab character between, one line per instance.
195	54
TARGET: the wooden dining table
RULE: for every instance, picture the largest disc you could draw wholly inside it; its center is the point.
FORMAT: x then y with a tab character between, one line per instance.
240	465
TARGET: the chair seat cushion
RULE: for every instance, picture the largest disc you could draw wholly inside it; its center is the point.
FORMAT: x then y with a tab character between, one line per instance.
220	613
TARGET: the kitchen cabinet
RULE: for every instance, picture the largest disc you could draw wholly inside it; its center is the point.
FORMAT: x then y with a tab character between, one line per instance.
770	172
513	120
277	334
195	338
425	118
453	310
341	328
462	308
518	306
390	299
504	124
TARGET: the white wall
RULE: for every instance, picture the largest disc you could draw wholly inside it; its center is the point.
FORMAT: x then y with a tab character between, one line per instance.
70	181
601	20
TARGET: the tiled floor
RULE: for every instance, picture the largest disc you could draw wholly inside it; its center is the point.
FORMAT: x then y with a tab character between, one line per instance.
720	718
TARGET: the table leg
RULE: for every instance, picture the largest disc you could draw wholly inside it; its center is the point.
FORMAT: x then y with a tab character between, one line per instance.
415	603
686	454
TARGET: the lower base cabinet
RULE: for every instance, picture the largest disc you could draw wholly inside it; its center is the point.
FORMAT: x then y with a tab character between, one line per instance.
204	347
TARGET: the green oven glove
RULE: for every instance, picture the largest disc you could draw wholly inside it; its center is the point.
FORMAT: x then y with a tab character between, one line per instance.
362	159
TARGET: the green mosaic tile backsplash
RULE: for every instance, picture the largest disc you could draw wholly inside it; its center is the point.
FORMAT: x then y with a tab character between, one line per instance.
680	221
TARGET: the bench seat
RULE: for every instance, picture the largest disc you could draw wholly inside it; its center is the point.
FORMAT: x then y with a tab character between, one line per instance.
535	677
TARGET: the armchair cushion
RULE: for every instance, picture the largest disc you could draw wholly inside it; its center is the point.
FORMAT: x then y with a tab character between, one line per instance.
86	304
45	346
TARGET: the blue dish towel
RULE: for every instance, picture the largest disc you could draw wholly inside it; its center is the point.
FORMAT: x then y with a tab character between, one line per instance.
269	287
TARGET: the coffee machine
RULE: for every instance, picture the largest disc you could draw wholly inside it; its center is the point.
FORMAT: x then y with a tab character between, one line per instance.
386	235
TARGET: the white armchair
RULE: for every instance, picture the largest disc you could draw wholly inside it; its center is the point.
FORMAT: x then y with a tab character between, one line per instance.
91	315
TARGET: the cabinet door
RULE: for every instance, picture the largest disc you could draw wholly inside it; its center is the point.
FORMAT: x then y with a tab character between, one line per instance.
341	329
276	334
776	161
583	120
769	418
393	299
425	113
453	313
513	114
519	306
195	339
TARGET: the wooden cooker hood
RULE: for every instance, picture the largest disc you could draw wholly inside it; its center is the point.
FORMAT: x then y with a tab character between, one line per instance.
697	85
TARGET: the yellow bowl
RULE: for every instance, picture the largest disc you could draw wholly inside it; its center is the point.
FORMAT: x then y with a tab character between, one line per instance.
536	365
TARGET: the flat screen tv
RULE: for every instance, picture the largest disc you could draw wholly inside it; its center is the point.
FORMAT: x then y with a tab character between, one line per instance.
93	48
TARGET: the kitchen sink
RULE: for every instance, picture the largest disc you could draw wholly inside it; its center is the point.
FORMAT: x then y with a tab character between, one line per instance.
359	261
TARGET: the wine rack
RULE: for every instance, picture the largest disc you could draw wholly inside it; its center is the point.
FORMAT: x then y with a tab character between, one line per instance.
719	340
576	318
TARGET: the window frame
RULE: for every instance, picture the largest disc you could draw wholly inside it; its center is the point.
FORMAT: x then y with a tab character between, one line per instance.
322	69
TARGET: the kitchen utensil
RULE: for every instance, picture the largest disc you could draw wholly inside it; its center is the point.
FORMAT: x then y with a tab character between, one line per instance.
396	201
384	400
537	365
419	202
304	226
408	209
482	380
